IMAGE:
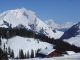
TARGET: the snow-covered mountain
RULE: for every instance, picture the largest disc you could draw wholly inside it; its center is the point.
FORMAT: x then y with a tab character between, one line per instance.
23	18
72	35
72	32
59	26
52	24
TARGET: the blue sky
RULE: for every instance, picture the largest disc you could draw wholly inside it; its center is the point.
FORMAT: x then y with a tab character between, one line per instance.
58	10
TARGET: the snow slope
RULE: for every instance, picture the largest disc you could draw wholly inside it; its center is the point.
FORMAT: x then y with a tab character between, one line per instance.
22	17
17	43
74	40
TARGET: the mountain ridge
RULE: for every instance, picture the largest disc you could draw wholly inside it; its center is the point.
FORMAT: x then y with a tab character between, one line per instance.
72	32
59	26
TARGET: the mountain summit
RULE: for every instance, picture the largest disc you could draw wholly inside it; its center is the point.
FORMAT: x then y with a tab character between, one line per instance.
22	18
17	17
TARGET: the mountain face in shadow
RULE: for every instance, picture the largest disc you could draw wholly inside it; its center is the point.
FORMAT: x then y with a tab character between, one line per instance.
72	32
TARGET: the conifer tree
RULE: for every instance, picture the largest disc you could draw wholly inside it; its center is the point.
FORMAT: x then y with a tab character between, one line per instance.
21	54
4	46
5	55
0	42
32	53
9	50
36	54
1	54
25	56
28	55
12	54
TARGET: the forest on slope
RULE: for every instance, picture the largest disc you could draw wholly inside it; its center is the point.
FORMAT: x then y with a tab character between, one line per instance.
12	32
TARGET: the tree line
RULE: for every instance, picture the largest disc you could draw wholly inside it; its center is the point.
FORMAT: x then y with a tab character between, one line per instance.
6	53
59	44
27	55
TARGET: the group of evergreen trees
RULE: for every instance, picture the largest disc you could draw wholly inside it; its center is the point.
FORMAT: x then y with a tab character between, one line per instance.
3	55
59	44
27	55
5	52
9	33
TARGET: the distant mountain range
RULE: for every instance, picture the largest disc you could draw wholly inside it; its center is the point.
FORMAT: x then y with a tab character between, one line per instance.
71	31
59	26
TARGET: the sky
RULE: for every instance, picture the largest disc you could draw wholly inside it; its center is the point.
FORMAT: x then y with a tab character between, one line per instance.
58	10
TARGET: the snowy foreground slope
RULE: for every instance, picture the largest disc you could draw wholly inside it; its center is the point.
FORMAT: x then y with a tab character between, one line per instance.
22	18
17	43
74	40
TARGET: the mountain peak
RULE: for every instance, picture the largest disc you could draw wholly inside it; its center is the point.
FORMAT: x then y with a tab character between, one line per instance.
23	8
25	18
17	17
78	24
49	21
